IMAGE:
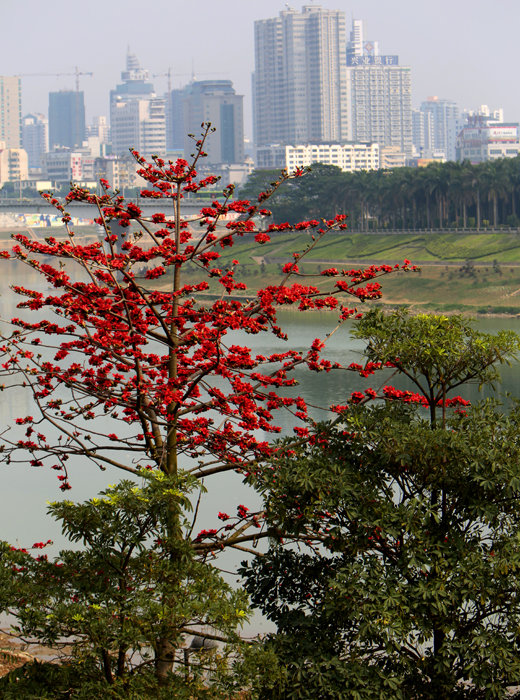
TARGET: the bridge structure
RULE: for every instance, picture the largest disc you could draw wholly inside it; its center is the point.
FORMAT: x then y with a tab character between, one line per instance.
79	210
190	207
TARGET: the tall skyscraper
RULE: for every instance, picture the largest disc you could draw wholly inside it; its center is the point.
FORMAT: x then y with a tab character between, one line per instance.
66	119
137	115
299	88
35	138
215	101
379	94
10	111
435	127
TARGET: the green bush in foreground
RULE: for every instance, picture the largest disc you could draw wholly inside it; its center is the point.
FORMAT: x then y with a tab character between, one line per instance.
105	605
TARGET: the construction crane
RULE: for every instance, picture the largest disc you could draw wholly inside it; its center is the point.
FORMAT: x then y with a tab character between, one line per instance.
168	75
77	73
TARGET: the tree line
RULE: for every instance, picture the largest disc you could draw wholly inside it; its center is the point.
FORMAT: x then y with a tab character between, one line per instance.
440	195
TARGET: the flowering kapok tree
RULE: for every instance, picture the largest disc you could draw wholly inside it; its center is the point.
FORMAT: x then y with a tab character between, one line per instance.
134	366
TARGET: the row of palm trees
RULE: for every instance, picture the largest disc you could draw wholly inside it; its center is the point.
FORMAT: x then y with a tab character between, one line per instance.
441	195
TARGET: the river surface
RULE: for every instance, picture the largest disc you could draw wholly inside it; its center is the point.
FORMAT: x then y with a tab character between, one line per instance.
25	491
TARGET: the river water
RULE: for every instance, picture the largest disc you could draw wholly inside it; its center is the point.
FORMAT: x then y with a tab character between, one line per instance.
25	491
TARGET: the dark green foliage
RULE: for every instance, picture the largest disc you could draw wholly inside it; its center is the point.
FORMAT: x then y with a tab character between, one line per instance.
300	199
84	682
405	581
420	593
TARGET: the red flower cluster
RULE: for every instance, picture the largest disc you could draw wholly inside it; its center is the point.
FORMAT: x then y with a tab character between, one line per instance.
138	341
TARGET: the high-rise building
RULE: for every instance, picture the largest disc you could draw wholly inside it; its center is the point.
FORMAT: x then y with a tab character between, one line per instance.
139	124
215	101
299	88
137	115
66	119
379	95
136	81
435	126
11	111
35	138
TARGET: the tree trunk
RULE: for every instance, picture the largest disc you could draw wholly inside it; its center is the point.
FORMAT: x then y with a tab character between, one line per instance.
164	658
107	667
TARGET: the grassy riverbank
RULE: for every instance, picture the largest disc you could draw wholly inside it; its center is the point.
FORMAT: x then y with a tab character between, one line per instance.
471	272
477	272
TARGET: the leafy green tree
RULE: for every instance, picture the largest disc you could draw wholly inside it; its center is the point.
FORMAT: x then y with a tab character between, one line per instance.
106	605
437	353
408	586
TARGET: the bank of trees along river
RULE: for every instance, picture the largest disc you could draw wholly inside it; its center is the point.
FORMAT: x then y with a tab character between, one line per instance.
441	195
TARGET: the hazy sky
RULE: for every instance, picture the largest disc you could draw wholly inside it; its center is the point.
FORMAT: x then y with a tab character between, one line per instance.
465	50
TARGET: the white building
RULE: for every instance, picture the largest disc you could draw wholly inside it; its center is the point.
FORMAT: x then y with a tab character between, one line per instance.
99	128
481	140
494	116
98	137
14	165
120	172
139	124
299	88
63	165
379	95
358	45
349	157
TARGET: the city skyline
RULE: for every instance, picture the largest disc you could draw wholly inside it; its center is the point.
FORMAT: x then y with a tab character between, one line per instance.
443	44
